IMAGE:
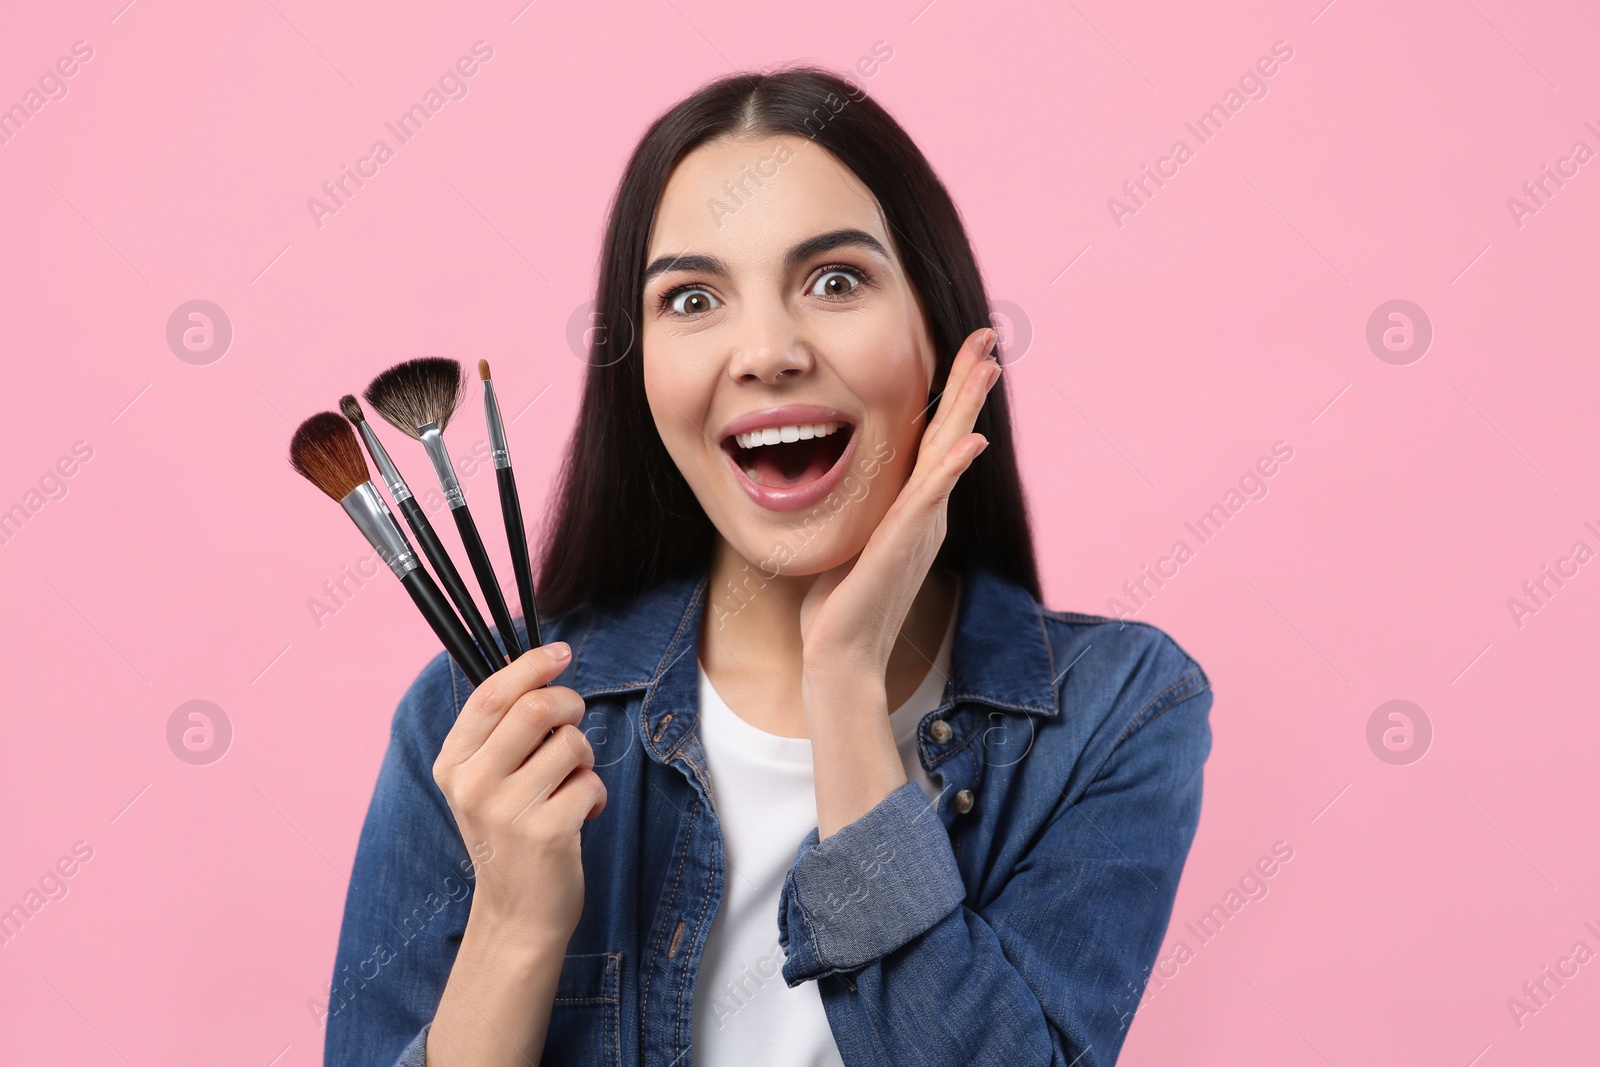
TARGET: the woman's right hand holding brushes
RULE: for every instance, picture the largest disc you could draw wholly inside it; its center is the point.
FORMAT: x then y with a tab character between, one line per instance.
515	768
518	774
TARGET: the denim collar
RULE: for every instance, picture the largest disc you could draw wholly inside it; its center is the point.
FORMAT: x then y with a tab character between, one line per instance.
1000	654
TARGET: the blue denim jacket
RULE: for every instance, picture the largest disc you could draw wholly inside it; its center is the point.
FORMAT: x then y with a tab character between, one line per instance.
1013	921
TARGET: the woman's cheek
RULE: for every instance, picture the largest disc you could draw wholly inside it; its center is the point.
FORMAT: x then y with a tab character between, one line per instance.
671	427
893	369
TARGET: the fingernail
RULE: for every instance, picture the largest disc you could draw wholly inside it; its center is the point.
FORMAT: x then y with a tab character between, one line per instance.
559	650
988	343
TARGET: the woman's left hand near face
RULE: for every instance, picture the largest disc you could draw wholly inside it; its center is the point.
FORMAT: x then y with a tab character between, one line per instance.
852	615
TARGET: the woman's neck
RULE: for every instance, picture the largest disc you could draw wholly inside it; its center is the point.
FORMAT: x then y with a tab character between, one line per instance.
750	639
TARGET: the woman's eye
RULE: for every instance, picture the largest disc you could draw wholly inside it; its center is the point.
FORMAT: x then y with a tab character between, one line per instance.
690	302
836	283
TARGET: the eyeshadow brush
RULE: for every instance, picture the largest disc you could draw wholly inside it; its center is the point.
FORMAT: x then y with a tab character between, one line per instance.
418	397
510	504
325	452
417	519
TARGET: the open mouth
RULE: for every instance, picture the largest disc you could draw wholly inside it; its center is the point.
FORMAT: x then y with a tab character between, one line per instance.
789	456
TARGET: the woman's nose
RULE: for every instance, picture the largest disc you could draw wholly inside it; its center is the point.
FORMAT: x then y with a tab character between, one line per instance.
768	347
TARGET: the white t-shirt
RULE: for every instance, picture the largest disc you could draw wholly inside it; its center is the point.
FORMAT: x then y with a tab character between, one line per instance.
766	803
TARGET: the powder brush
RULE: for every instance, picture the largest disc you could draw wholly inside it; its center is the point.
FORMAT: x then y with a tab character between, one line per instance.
443	566
325	452
418	397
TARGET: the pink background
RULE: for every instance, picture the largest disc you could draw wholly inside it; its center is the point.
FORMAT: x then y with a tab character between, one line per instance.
1167	355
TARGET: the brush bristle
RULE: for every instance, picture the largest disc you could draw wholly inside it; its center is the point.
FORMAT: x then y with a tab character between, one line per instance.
417	392
483	369
352	409
325	452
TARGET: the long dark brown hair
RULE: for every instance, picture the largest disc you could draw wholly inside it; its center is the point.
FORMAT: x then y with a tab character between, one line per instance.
624	517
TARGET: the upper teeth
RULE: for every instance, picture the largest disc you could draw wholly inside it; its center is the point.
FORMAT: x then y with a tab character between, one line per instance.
774	434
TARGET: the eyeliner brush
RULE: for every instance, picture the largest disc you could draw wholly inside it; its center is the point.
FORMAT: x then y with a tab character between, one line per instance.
325	452
449	577
510	505
418	397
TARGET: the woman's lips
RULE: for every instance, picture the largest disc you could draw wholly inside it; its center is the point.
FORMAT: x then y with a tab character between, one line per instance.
803	495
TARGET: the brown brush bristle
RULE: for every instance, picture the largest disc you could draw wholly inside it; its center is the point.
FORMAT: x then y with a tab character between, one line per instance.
417	392
325	451
352	409
483	369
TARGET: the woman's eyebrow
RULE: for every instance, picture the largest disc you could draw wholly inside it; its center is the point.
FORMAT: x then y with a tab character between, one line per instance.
811	246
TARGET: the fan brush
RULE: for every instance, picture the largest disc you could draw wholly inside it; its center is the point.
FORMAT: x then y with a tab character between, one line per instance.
418	397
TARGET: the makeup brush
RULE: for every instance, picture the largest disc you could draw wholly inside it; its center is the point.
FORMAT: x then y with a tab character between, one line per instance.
449	577
325	452
418	397
510	505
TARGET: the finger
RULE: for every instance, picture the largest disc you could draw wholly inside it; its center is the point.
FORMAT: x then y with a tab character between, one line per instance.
524	727
932	492
957	426
489	701
557	757
973	352
964	405
582	794
904	533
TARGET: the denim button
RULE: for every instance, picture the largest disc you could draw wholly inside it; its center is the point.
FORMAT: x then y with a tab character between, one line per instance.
964	801
940	730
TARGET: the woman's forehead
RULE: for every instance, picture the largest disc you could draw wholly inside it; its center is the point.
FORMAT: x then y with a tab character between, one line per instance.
748	200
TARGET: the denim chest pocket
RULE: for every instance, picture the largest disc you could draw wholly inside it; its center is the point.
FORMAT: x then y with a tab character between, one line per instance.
585	1018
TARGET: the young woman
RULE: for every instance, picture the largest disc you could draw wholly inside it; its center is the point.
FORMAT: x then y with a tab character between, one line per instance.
805	774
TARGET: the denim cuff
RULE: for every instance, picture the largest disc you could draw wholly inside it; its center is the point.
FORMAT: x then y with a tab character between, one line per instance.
416	1053
868	889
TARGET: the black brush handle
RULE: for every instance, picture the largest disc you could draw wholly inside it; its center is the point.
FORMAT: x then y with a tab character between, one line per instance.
517	539
450	578
445	625
486	579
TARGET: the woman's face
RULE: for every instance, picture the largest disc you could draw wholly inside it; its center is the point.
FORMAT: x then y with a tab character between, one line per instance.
786	359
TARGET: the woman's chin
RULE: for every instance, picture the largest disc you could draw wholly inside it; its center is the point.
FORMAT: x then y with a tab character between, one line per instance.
791	555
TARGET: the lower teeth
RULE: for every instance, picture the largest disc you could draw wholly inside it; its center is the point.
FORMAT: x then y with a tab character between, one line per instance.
750	472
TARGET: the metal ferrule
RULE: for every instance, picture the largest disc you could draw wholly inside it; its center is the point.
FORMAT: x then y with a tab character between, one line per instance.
433	441
365	506
497	429
391	474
